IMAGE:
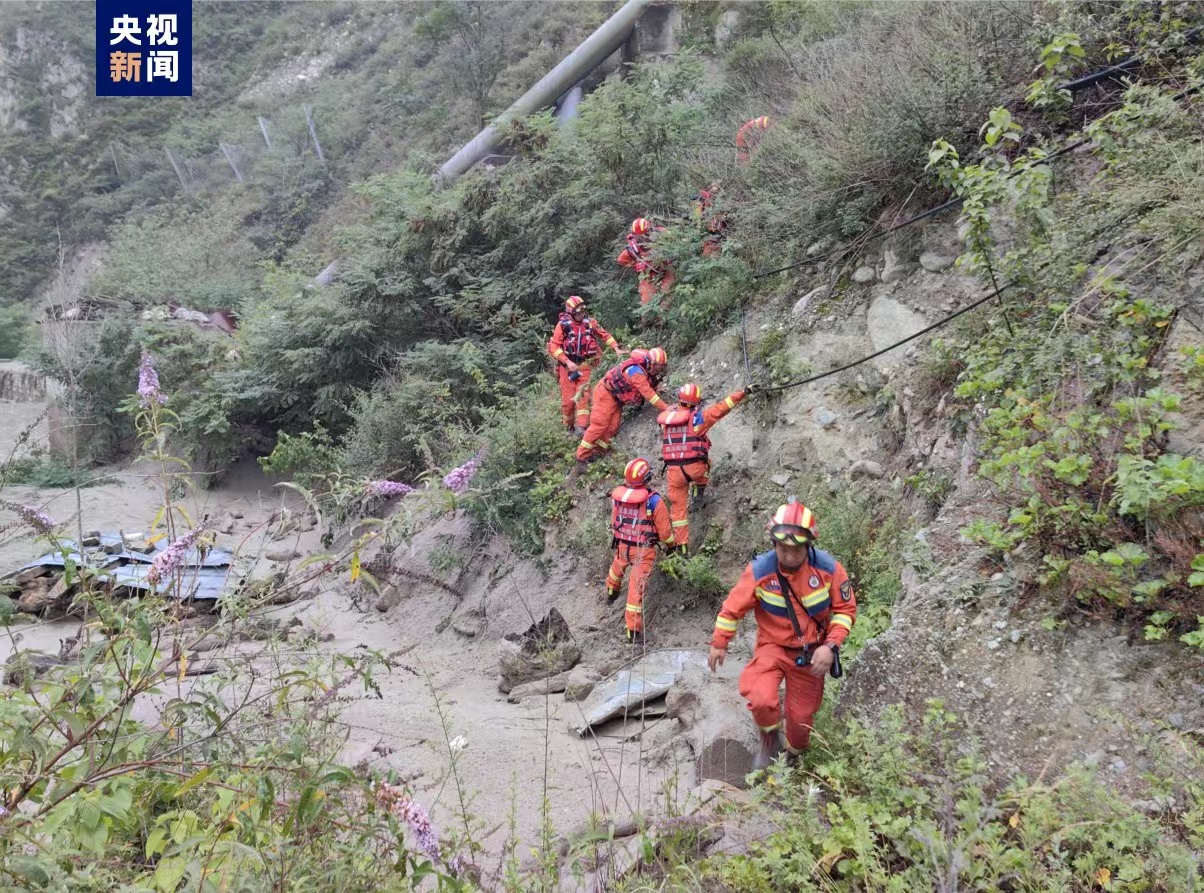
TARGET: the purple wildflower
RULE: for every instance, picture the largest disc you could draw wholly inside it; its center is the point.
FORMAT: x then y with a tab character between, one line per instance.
167	561
35	518
398	802
389	488
458	478
148	382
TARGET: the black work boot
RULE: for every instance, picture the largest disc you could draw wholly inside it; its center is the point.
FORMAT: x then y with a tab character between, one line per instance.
636	638
771	746
611	595
578	469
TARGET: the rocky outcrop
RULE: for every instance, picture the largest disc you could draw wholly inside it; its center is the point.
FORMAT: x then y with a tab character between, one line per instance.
716	724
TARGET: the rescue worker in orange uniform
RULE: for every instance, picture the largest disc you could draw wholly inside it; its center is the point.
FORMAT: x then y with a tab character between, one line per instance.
637	255
686	449
628	384
711	223
575	345
805	608
639	522
749	136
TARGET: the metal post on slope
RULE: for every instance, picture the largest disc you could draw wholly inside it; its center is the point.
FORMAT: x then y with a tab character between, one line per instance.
230	158
263	126
309	119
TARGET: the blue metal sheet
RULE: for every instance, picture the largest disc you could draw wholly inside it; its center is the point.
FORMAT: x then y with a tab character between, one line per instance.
203	584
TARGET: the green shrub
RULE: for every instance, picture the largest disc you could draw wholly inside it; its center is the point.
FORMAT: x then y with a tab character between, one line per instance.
897	806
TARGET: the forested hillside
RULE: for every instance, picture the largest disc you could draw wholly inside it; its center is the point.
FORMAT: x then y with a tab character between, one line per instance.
1016	488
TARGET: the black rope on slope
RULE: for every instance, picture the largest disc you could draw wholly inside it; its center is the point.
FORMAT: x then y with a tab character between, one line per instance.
991	295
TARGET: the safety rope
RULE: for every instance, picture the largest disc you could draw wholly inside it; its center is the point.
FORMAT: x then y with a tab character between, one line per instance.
991	295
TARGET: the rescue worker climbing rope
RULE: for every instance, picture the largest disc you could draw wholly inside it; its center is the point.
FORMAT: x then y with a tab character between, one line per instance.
576	346
637	255
805	608
749	136
628	384
686	450
639	522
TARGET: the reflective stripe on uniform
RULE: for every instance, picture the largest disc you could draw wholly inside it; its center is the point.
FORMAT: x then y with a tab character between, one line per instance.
725	624
731	404
772	598
815	598
635	609
842	620
772	728
589	446
681	523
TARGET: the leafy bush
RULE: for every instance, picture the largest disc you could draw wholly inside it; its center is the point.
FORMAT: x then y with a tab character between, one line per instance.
903	807
1075	409
16	325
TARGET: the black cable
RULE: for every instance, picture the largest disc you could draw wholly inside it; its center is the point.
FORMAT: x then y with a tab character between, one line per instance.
994	293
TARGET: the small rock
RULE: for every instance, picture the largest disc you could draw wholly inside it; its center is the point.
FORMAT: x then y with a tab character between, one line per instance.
993	645
936	263
780	479
238	516
389	598
283	555
468	626
326	637
1093	759
825	417
1119	765
894	267
1000	624
580	684
28	663
800	306
29	574
228	527
866	468
539	688
1015	635
1176	720
864	275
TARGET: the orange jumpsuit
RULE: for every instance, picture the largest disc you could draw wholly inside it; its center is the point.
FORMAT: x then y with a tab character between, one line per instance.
686	449
652	277
748	136
627	384
826	609
638	521
578	342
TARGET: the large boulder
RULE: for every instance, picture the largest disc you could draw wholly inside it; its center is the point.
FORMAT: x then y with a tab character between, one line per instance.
543	649
717	724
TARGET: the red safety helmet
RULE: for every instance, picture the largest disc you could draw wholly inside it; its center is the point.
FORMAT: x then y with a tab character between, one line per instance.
793	524
640	356
689	394
640	226
637	473
657	358
574	302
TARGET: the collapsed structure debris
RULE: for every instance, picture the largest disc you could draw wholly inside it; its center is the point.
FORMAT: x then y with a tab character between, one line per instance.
117	564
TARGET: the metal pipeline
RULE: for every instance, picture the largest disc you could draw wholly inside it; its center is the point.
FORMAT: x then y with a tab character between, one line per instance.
572	68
